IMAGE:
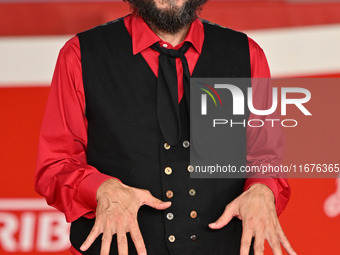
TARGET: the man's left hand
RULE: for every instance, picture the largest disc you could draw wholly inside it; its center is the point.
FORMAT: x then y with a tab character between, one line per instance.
256	208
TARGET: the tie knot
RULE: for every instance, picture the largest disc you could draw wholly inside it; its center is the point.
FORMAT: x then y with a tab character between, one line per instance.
170	52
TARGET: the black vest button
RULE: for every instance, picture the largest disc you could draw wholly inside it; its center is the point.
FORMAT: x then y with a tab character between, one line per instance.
167	146
169	216
193	214
168	170
171	238
192	192
193	237
186	144
169	194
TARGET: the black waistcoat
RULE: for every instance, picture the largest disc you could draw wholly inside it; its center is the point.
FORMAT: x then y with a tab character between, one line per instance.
124	140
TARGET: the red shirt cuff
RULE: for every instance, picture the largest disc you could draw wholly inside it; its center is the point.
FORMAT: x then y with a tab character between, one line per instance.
74	251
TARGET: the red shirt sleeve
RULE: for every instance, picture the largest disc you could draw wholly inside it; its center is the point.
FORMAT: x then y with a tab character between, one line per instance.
63	176
265	145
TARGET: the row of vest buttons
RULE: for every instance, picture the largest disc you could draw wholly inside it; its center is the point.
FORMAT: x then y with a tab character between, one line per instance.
172	238
170	216
185	144
170	193
168	170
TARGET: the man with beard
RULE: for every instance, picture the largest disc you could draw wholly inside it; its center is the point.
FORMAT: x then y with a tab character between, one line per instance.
128	147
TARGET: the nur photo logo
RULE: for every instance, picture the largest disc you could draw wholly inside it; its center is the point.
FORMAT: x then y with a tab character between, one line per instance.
243	101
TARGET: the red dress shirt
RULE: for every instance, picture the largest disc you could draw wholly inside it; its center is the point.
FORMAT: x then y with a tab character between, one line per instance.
63	176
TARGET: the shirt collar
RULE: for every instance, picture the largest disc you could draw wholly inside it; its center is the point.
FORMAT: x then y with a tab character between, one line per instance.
143	37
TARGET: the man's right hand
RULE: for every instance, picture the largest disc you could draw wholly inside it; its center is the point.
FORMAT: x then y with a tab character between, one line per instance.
116	213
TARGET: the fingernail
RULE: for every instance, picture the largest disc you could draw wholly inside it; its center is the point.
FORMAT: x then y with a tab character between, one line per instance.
212	224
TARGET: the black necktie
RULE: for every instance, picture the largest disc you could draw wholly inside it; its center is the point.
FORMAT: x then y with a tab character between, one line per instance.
167	91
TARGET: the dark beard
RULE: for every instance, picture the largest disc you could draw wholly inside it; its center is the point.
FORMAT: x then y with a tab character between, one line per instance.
170	20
